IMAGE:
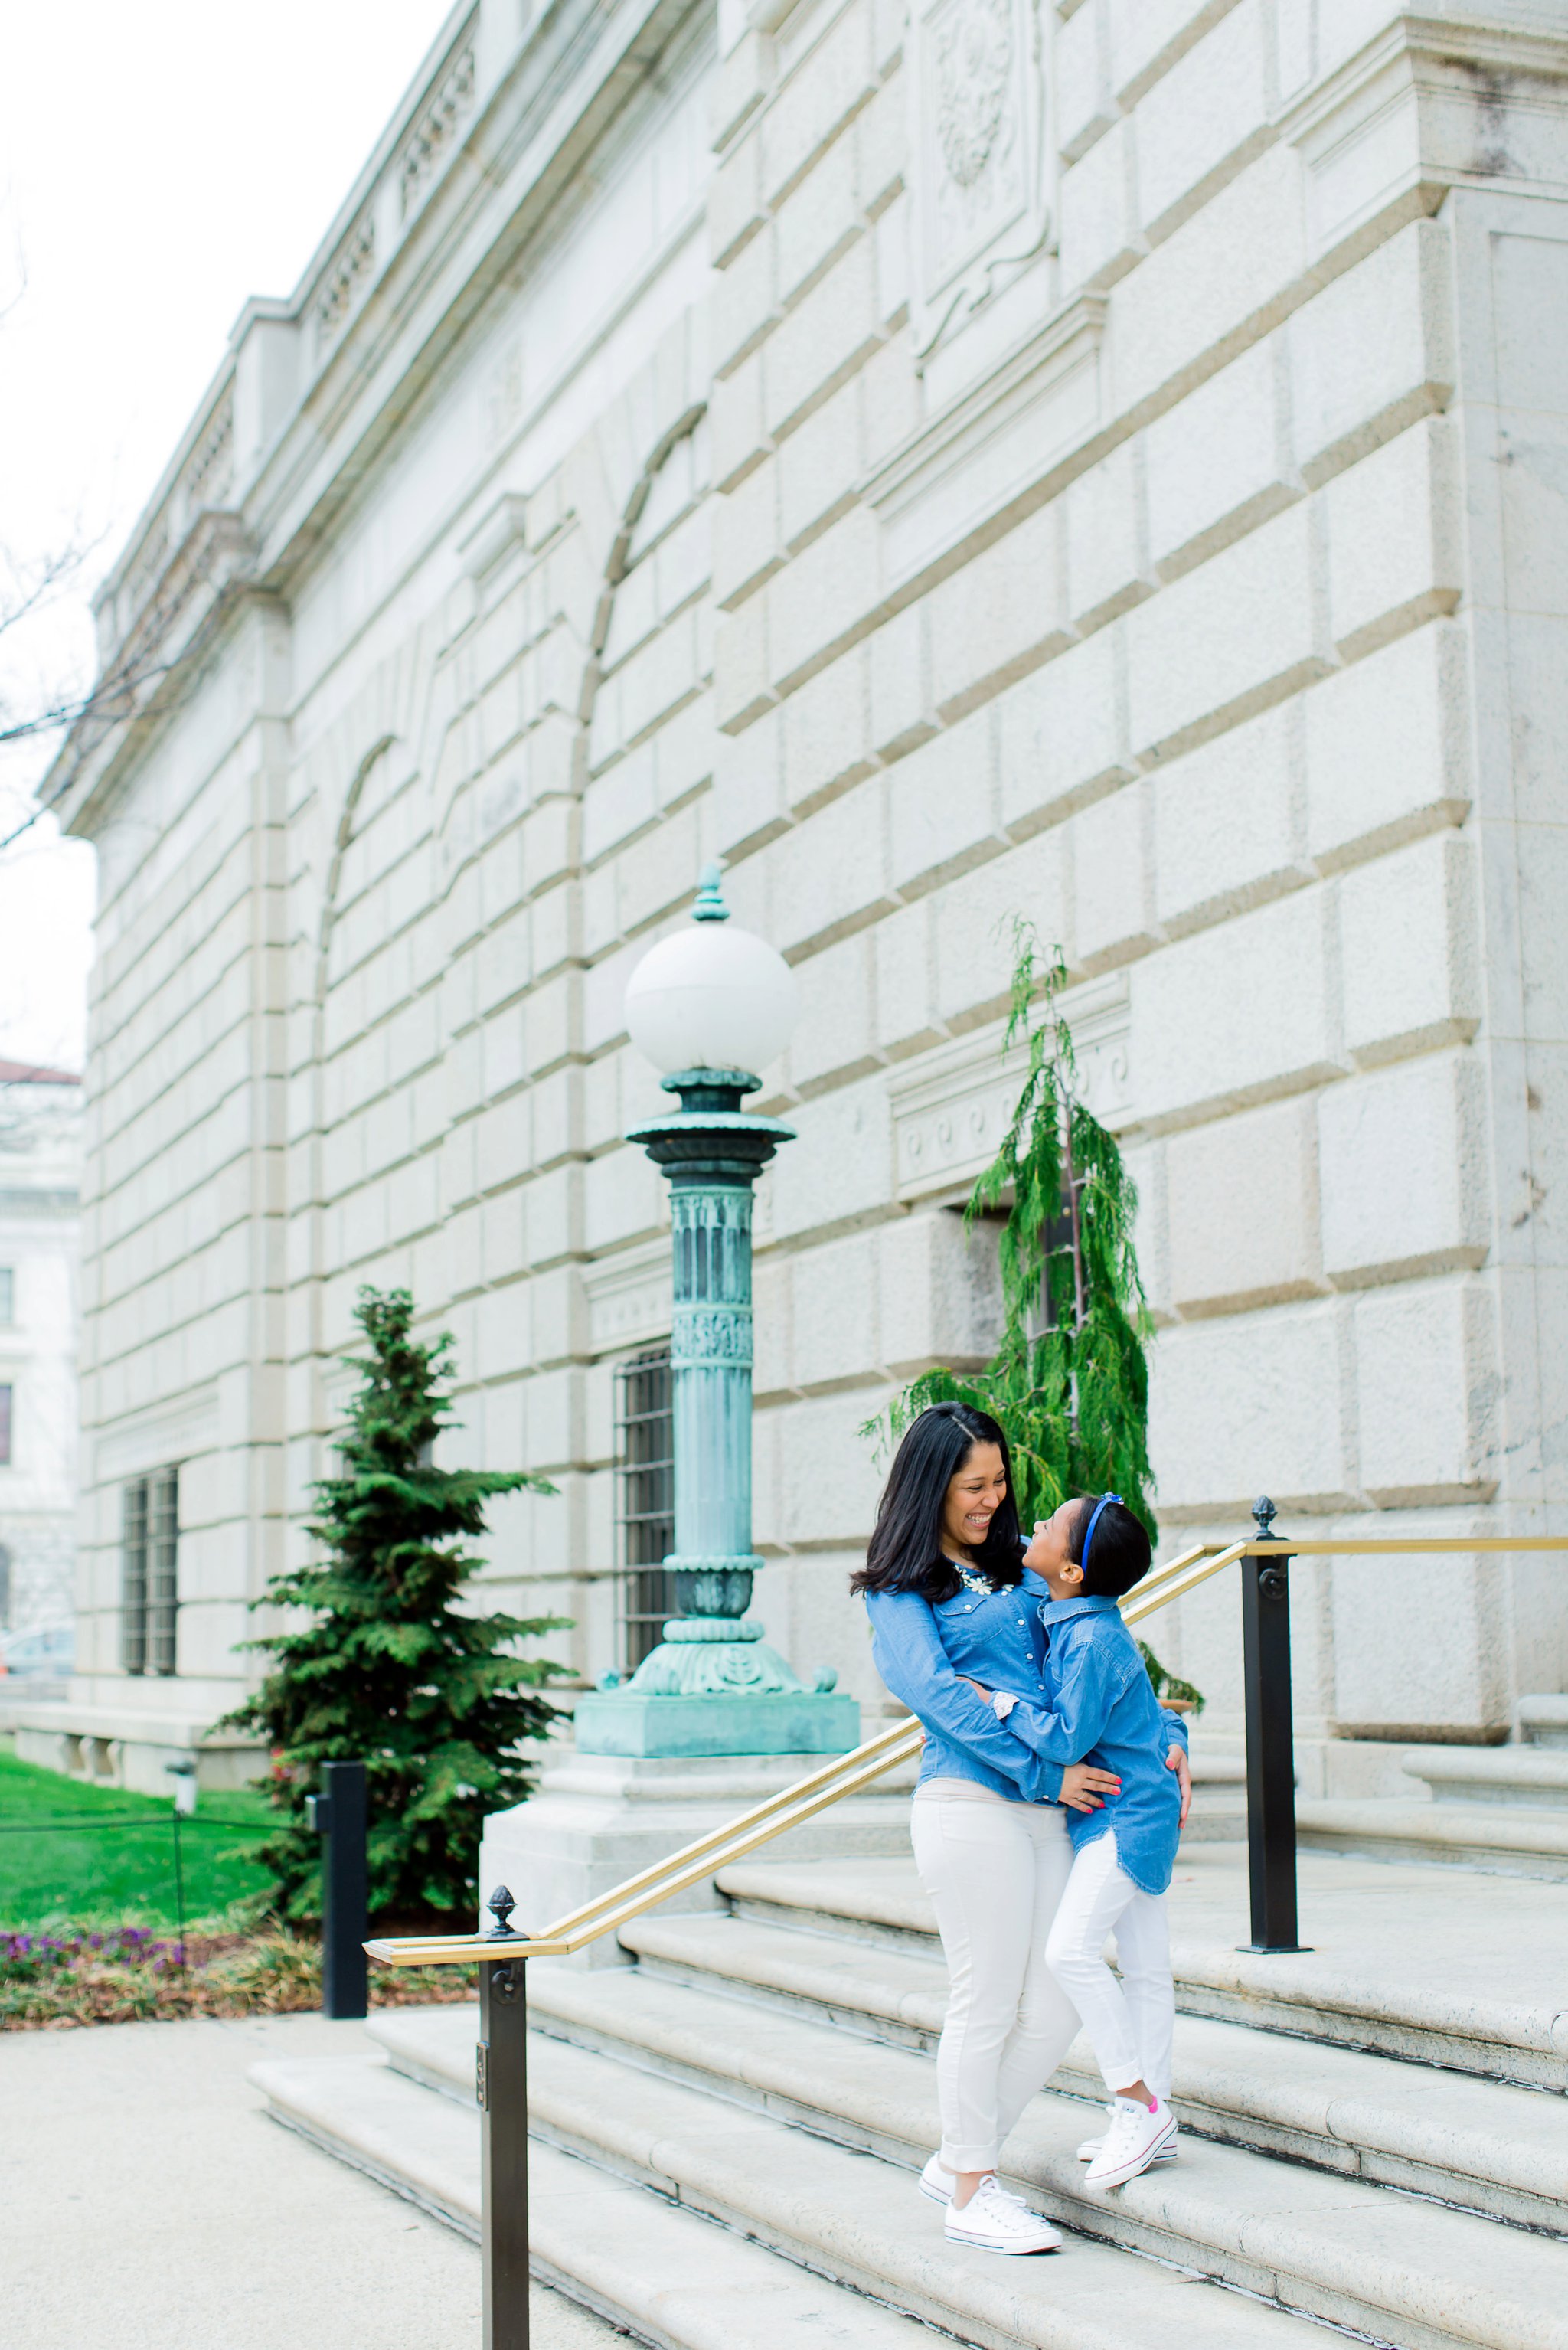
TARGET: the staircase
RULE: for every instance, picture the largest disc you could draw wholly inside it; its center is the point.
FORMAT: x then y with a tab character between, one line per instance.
1501	1809
727	2129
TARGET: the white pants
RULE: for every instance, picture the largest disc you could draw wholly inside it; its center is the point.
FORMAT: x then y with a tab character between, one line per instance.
995	1872
1129	2024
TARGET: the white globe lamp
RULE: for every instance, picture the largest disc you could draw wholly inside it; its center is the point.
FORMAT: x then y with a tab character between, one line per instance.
711	996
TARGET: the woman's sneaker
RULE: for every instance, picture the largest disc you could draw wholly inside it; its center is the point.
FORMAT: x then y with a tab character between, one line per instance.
1138	2134
1091	2146
936	2182
994	2222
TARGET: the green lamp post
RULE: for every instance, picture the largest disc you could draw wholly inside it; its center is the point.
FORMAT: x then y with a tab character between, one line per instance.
709	1006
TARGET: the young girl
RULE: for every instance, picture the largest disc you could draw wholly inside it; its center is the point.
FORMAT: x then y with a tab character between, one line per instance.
948	1596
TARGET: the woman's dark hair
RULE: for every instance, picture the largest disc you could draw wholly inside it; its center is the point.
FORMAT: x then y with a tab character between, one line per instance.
906	1553
1119	1554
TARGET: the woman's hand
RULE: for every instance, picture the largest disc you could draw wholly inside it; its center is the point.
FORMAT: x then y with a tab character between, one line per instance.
983	1694
1177	1760
1084	1789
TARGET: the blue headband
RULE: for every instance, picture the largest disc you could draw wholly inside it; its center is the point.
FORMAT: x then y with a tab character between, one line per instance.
1094	1522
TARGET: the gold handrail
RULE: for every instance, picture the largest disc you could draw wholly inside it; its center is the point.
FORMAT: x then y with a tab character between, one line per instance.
848	1775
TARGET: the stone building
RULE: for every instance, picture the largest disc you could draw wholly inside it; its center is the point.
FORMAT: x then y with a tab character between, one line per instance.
40	1173
1103	461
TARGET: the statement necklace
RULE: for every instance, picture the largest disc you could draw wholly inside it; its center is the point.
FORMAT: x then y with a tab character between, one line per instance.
981	1585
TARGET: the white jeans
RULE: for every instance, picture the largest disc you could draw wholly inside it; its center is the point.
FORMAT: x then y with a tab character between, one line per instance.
1129	2024
995	1872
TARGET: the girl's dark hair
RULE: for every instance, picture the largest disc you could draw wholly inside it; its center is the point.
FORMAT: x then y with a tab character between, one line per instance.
905	1553
1119	1554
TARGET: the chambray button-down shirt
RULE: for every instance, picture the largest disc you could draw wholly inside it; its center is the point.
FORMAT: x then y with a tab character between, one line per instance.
1101	1708
920	1649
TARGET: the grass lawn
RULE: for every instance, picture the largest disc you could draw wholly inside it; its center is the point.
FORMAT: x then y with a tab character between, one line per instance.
96	1856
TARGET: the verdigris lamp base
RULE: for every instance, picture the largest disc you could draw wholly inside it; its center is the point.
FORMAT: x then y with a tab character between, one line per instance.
713	1686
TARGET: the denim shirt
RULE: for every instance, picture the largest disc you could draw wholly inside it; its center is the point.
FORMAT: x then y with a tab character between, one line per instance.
921	1648
1101	1708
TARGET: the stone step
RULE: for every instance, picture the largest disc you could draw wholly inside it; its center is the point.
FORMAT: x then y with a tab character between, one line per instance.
669	2275
1500	1839
1543	1721
1535	1777
1403	1972
1499	2150
1397	2267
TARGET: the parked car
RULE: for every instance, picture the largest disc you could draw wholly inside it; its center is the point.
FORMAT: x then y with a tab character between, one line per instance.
49	1648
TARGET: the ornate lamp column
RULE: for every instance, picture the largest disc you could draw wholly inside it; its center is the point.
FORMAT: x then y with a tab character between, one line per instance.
707	1006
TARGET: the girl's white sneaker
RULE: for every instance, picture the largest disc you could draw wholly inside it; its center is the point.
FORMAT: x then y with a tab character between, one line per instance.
1138	2134
994	2222
936	2182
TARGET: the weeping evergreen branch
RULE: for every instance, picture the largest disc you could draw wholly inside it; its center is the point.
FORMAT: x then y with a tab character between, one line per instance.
1069	1380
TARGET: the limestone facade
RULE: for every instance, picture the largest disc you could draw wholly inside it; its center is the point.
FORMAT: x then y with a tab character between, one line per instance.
40	1174
1102	460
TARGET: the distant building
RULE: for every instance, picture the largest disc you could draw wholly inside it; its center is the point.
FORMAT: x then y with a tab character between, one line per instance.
40	1177
1099	462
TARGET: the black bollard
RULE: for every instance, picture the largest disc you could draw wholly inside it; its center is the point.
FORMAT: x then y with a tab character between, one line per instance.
339	1814
1271	1743
501	2085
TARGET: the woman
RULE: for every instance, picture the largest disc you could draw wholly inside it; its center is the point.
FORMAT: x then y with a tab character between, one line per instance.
948	1596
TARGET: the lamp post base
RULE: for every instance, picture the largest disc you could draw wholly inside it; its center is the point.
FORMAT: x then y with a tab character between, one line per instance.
789	1722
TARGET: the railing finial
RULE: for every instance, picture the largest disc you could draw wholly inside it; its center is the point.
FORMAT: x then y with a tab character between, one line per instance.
500	1905
1264	1511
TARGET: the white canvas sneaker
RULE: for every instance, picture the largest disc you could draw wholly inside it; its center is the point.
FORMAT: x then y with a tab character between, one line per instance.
1091	2146
994	2222
936	2182
1137	2135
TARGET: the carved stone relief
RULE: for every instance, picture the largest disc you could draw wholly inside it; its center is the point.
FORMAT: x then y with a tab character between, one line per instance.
977	91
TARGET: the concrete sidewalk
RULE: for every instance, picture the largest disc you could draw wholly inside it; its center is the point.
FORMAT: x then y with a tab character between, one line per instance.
146	2201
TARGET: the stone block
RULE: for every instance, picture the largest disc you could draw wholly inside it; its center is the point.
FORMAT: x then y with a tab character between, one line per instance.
1225	822
840	1166
1449	1682
825	92
735	207
833	1314
1217	464
1241	1208
1147	36
882	143
1227	1018
1428	1391
746	805
827	875
833	1036
737	438
822	340
1099	232
1409	948
890	398
1107	561
745	304
746	545
941	805
1542	893
904	976
1387	747
1373	351
1405	1171
1084	108
825	725
741	690
938	1292
738	87
901	714
823	597
1252	1403
1394	538
1203	118
1063	734
972	923
818	466
817	221
997	618
828	1477
1226	639
1112	890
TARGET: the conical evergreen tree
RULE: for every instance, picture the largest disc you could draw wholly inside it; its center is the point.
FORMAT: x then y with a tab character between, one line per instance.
390	1671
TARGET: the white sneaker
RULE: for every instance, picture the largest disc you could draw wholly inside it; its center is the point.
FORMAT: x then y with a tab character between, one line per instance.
936	2182
1137	2135
994	2222
1091	2146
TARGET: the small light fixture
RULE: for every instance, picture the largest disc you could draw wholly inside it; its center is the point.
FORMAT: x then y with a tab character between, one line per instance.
711	996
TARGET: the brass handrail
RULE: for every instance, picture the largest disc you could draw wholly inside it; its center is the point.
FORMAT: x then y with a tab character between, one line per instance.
848	1775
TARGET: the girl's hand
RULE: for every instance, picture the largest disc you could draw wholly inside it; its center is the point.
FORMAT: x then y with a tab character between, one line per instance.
1177	1760
1084	1789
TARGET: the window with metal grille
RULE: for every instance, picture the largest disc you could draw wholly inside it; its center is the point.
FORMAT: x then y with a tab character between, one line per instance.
645	1424
150	1571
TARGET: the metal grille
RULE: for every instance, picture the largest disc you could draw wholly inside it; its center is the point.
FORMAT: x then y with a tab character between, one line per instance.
133	1576
163	1593
646	1427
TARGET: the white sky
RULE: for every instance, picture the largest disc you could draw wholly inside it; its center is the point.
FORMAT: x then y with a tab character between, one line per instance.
158	164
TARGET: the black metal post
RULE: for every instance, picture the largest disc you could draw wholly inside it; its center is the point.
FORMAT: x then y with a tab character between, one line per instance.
1271	1743
338	1815
501	2085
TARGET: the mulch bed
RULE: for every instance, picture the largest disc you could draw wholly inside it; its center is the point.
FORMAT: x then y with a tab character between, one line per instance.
55	1983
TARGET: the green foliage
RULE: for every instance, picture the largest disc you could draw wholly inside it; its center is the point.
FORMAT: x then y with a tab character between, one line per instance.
1069	1382
390	1669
